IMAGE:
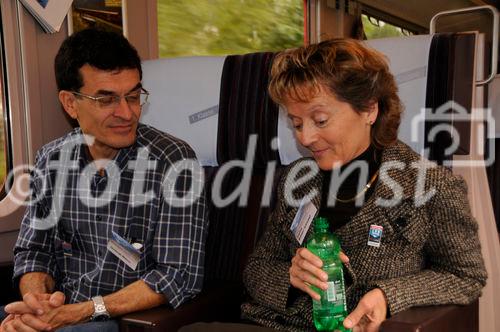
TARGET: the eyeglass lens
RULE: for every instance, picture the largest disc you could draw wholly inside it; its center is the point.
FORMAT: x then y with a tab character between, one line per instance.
138	98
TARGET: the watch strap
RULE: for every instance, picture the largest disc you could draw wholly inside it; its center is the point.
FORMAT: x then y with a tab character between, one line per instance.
100	310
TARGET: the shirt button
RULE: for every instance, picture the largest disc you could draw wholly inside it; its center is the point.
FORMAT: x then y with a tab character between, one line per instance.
98	218
99	253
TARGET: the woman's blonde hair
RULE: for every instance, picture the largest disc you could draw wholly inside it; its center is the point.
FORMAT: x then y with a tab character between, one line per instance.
350	71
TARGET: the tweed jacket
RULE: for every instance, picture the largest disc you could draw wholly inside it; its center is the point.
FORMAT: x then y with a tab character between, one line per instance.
429	253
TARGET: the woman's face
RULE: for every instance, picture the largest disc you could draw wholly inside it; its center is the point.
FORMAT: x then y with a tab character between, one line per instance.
333	131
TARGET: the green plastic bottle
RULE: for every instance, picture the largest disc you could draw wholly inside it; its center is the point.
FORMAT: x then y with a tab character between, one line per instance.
330	311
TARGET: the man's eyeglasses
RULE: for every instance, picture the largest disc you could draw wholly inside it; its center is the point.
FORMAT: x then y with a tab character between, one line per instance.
133	99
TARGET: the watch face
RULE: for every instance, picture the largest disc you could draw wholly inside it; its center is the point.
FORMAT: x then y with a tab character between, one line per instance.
100	318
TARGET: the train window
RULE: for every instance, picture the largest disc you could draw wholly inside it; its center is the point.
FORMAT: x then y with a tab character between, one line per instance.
376	28
4	147
218	27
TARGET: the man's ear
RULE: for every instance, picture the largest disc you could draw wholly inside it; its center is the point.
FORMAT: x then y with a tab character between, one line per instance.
68	101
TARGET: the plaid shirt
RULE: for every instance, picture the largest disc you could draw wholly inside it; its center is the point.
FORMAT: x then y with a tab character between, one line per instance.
92	205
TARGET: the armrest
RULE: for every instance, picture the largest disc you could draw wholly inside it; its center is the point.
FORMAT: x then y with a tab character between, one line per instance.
446	318
219	302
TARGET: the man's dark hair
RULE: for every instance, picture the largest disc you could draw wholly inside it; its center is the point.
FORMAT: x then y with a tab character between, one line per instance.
100	49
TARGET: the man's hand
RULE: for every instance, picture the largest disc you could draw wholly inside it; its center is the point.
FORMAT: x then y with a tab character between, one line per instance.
35	303
26	315
68	314
5	321
15	323
52	318
370	312
306	271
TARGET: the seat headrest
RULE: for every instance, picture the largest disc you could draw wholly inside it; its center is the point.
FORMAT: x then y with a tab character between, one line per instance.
408	59
184	101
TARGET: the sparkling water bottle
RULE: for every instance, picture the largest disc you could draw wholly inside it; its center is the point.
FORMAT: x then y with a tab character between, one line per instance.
329	312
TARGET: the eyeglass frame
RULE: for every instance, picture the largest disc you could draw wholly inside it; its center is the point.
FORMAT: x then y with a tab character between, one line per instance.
118	98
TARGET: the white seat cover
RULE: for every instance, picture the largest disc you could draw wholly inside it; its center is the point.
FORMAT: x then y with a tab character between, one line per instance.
184	101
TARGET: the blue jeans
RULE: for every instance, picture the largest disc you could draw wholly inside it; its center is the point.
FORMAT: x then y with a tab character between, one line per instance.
108	326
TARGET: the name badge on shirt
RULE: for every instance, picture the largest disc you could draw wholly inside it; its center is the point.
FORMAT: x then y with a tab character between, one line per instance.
125	251
303	219
375	235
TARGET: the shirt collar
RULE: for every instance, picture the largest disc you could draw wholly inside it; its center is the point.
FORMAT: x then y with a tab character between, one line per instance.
120	159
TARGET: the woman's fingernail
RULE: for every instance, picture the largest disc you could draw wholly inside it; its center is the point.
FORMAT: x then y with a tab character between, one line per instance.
39	312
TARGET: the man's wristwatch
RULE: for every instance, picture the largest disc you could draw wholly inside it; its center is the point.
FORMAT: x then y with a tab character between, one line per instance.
100	312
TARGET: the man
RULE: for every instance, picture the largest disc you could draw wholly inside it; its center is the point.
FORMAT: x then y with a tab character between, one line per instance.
113	225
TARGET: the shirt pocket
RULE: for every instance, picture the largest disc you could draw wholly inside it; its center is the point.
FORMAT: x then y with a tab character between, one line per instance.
137	234
140	221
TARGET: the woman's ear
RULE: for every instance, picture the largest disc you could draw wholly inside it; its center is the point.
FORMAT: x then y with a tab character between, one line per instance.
372	113
68	101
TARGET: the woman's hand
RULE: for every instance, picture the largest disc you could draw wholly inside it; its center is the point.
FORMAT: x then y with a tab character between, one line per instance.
306	271
370	312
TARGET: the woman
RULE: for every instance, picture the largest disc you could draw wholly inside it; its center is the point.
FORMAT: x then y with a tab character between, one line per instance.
343	103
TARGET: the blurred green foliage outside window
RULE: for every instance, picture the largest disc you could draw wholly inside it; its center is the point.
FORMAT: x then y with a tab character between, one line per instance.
218	27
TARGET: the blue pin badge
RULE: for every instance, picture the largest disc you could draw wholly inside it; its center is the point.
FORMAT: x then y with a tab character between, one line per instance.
375	235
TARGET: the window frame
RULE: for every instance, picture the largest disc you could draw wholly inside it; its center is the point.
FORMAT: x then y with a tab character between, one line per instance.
15	122
6	118
393	20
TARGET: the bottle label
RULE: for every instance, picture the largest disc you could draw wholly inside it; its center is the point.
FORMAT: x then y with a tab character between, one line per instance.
331	294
